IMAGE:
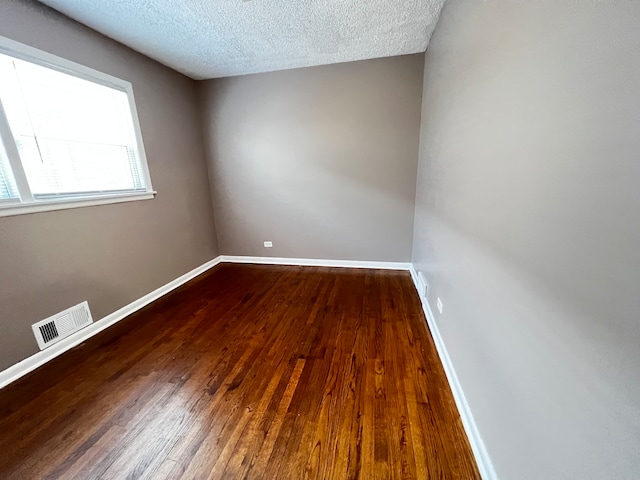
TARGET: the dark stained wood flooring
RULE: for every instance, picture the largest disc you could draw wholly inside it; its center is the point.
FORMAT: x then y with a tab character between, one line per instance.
246	372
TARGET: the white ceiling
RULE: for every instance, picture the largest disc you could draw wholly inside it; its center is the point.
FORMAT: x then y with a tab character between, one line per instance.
219	38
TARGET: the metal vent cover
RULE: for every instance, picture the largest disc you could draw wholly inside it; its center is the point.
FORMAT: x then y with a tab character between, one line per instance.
53	329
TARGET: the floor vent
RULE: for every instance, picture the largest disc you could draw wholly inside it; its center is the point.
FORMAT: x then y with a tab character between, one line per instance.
61	325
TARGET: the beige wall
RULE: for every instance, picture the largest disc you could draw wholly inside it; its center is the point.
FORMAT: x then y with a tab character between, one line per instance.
527	227
321	161
112	254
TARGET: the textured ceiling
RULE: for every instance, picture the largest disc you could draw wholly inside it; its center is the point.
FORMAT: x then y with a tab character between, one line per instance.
219	38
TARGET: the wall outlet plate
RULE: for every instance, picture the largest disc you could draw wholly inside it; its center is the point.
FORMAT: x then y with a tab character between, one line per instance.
268	244
439	305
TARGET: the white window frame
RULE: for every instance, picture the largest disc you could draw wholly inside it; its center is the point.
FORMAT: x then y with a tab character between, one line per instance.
28	204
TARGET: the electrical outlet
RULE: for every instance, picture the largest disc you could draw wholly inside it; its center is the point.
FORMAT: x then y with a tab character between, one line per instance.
268	244
439	305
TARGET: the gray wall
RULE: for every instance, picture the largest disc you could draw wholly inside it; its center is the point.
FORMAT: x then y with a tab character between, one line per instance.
111	254
527	227
320	160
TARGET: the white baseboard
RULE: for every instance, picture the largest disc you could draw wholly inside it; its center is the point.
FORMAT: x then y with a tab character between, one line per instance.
480	453
310	262
36	360
29	364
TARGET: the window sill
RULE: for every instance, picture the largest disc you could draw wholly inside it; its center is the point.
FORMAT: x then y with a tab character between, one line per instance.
50	205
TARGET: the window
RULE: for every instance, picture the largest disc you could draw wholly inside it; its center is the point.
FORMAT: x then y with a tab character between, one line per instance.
69	135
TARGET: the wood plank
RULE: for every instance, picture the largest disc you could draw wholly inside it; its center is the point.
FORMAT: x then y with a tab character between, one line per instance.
247	372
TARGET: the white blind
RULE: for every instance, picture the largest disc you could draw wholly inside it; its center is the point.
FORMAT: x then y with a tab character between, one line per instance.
74	137
8	191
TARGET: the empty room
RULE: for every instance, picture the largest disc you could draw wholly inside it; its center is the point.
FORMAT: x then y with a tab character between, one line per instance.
250	239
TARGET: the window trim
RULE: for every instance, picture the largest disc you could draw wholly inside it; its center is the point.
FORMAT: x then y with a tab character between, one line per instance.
28	204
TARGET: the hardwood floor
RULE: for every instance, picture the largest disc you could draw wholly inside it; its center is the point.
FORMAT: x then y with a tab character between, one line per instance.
247	372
